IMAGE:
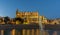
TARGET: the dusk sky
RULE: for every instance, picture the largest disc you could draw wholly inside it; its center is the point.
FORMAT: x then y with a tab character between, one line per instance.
48	8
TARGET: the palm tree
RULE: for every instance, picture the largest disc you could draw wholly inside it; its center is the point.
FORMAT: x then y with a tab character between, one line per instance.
20	20
6	19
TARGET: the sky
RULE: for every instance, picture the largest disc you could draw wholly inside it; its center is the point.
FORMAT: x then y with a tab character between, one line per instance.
48	8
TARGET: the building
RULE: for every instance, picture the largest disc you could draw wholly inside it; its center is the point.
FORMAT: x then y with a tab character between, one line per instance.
30	17
43	20
2	20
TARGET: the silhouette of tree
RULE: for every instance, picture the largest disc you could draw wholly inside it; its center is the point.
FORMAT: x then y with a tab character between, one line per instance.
20	19
6	19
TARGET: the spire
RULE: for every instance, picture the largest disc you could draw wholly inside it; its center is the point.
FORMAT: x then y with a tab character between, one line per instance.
16	11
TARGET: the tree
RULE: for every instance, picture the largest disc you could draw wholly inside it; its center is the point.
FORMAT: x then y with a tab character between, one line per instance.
6	19
20	20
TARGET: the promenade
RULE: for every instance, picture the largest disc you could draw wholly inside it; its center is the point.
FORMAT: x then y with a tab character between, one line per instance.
26	29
